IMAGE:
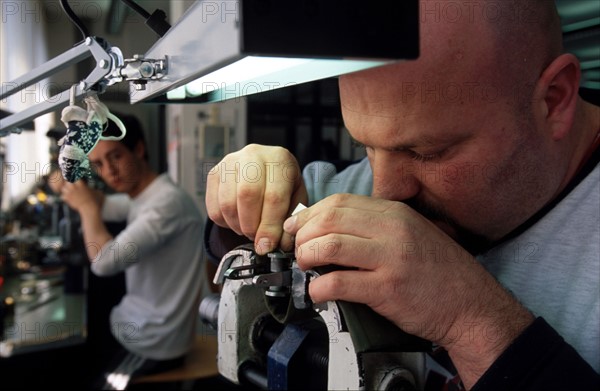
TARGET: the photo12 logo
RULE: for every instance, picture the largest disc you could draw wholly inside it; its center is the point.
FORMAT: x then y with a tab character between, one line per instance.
52	12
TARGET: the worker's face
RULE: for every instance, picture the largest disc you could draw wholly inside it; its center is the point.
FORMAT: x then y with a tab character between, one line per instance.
118	167
450	137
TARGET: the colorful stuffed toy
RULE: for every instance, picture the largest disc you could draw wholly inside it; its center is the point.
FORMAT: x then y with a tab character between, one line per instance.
84	130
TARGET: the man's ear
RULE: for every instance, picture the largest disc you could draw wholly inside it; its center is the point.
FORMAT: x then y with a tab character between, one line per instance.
140	150
557	92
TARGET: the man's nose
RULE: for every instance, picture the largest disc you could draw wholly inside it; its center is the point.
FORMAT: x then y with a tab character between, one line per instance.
395	177
110	169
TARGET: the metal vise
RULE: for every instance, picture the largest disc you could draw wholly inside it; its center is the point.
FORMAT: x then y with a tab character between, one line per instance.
272	336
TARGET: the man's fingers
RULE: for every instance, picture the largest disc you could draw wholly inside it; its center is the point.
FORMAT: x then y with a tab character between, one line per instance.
227	202
347	285
276	203
250	192
337	249
250	204
300	196
211	199
327	209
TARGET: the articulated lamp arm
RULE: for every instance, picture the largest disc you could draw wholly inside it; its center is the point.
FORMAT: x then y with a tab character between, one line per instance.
110	68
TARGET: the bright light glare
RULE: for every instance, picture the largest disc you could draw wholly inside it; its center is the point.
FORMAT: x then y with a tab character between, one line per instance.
246	69
253	74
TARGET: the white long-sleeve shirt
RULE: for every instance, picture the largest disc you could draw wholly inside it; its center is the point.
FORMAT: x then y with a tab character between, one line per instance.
160	252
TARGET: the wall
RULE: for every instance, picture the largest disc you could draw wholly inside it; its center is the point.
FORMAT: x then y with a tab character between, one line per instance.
26	154
198	136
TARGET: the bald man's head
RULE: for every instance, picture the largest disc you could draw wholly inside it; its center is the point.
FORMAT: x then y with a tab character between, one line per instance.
479	132
471	52
523	33
527	34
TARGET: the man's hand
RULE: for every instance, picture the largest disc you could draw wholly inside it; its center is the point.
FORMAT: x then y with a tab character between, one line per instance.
88	203
80	197
408	270
252	191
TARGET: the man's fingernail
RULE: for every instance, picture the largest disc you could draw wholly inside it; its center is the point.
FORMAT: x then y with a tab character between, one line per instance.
264	246
288	224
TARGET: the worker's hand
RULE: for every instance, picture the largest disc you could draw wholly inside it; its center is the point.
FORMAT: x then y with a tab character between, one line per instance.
253	191
408	270
80	197
56	181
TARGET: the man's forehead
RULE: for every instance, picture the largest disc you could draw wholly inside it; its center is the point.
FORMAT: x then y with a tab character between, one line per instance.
104	148
397	133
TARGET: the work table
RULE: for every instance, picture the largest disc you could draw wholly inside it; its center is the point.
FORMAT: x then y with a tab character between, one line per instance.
46	315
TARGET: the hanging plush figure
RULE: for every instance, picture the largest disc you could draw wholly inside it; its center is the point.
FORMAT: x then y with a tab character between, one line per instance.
84	130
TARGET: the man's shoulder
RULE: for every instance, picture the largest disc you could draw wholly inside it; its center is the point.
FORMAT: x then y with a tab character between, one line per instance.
323	179
172	199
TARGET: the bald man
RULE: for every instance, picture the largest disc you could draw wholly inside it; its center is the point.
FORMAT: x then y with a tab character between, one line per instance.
475	220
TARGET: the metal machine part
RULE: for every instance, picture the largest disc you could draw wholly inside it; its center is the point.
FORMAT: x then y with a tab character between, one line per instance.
140	70
271	334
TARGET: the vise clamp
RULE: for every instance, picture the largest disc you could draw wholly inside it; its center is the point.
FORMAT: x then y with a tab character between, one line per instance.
271	335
